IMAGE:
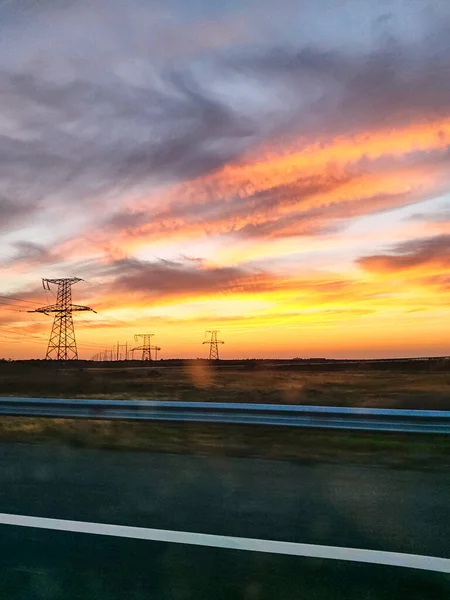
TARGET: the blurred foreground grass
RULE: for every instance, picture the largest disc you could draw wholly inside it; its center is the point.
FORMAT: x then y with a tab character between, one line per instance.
276	443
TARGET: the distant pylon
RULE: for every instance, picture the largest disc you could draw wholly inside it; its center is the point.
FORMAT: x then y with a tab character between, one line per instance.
146	345
156	349
62	344
213	344
122	355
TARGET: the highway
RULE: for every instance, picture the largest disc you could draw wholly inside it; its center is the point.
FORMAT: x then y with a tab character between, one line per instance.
336	505
321	417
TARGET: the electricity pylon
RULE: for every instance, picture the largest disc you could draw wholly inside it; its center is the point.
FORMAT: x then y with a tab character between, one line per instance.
119	354
62	344
146	345
156	349
213	344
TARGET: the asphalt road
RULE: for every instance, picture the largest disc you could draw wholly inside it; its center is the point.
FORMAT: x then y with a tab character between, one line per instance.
371	508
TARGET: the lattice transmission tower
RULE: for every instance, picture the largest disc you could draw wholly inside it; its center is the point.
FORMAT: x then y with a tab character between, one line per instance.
156	349
146	346
62	344
122	351
213	344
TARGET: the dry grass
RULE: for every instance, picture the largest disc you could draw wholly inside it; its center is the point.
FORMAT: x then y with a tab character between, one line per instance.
368	387
199	382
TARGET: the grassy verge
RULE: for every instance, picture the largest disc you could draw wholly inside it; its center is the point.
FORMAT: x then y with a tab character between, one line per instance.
281	443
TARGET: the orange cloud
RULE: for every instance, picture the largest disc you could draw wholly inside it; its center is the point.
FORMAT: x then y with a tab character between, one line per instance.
296	192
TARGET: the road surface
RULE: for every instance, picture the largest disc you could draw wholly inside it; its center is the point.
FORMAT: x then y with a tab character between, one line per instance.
345	506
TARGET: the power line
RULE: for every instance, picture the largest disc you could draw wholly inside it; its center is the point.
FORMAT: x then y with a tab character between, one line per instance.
20	335
40	337
19	309
124	323
18	299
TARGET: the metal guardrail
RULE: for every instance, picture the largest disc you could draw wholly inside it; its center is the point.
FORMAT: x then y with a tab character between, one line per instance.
328	417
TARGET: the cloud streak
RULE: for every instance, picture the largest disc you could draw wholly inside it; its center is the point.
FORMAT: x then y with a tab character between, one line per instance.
433	253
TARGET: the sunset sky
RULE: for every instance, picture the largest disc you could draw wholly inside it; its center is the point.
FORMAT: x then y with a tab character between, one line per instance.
274	169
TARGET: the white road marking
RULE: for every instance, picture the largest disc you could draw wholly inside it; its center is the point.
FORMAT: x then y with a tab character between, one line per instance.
396	559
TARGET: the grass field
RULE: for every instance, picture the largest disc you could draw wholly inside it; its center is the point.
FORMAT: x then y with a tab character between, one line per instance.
366	387
359	387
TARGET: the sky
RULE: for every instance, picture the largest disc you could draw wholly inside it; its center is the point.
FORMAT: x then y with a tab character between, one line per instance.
275	170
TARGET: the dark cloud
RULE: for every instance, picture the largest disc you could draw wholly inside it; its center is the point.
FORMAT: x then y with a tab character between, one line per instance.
126	219
410	255
11	213
146	281
177	278
33	253
334	91
91	138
